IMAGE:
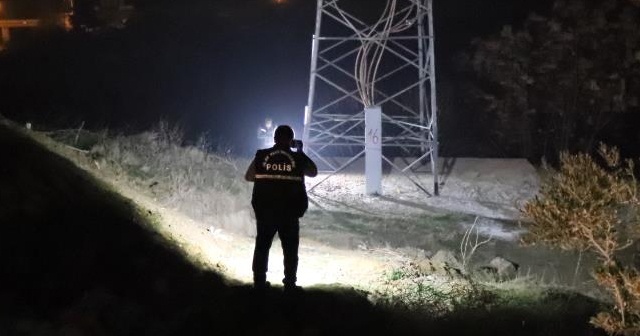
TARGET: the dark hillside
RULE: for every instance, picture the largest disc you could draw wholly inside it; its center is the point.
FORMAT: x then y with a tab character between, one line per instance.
75	255
79	259
76	258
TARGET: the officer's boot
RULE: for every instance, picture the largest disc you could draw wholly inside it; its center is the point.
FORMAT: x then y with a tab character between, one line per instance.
290	286
260	282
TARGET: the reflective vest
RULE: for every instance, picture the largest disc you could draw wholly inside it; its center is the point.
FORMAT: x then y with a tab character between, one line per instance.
279	189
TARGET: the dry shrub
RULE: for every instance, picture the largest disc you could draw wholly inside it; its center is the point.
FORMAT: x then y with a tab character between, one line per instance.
594	208
207	186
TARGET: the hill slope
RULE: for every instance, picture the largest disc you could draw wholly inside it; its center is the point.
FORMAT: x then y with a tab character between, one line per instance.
79	259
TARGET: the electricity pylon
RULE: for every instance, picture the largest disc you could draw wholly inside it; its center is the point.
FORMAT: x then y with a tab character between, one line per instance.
346	80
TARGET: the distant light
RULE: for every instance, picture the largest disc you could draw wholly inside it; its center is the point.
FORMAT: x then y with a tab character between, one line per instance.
279	2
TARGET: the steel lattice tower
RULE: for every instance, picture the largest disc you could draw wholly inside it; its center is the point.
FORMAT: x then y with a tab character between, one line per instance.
405	89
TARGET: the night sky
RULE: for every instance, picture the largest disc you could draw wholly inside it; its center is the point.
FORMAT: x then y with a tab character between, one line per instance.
214	66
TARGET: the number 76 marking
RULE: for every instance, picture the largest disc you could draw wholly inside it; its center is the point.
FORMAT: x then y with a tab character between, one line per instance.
373	136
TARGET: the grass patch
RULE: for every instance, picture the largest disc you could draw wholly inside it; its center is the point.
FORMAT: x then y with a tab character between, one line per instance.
462	306
191	179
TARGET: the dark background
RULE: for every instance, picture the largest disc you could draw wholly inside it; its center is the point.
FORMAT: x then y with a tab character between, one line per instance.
215	67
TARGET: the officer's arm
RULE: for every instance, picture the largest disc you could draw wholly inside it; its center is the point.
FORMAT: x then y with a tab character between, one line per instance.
310	169
250	175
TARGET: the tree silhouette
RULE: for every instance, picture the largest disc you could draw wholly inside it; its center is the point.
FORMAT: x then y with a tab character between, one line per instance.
554	84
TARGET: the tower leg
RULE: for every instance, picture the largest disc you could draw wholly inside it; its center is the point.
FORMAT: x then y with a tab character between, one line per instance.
314	68
435	155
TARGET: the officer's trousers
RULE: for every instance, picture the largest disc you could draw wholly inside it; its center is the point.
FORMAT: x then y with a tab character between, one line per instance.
288	230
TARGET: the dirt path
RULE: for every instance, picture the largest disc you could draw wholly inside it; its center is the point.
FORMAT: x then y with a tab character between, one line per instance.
232	253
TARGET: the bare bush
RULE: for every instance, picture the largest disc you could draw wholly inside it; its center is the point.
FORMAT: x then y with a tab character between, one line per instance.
468	247
594	208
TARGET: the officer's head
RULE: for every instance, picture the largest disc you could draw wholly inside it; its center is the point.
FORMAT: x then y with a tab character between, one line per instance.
283	135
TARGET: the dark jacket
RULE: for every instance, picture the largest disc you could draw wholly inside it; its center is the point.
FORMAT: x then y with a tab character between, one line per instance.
279	190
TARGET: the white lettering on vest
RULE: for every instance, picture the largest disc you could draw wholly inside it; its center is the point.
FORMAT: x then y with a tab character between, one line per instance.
278	167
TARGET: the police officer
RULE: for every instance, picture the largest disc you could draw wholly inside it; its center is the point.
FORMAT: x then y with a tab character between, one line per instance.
279	199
